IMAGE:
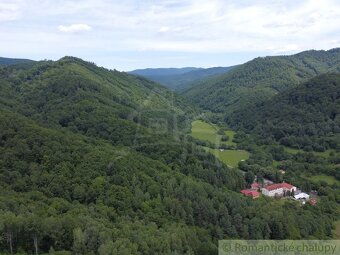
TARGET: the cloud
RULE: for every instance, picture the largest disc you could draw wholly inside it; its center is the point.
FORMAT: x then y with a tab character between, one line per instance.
164	29
9	10
152	28
74	28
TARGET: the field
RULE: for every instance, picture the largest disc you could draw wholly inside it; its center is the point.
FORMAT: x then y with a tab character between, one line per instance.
294	151
336	231
204	131
329	179
208	132
231	135
229	157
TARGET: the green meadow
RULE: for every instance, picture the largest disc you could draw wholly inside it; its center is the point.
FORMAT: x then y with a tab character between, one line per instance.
208	132
330	180
204	131
295	151
229	157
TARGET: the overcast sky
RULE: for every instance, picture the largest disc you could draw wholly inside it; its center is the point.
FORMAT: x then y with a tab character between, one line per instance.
130	34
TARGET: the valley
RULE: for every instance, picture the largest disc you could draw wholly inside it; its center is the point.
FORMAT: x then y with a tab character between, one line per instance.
94	160
173	127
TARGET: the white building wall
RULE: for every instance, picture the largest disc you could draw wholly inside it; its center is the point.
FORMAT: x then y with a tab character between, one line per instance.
279	191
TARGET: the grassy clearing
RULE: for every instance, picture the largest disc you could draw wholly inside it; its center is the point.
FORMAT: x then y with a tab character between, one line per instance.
231	135
336	232
325	153
204	131
208	132
294	151
326	178
229	157
275	163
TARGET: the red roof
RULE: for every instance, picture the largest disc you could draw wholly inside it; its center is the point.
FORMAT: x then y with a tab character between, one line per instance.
283	185
255	185
248	192
312	201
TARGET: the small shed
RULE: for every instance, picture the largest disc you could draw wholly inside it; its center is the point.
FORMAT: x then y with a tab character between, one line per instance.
302	195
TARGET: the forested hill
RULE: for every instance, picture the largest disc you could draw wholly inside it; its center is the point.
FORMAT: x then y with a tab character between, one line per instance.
13	61
79	95
306	117
180	79
94	161
261	79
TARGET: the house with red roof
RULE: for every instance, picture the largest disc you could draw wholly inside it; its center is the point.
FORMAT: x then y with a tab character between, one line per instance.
255	186
250	193
278	189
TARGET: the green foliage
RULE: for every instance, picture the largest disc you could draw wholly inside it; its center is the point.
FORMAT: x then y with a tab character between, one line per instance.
182	78
306	117
260	79
94	161
249	177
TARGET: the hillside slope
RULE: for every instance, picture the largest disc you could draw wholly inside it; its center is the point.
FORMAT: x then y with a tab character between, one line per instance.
307	116
78	95
260	79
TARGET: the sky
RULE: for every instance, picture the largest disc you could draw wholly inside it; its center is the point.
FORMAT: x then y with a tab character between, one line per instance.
132	34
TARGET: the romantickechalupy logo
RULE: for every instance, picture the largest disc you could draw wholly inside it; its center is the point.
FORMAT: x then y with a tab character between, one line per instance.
279	247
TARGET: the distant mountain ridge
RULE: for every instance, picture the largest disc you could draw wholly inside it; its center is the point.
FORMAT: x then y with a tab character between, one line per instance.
13	61
163	71
180	78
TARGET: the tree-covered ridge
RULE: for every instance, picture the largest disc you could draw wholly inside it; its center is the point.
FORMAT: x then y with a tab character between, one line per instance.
13	61
305	117
181	79
80	96
262	78
63	191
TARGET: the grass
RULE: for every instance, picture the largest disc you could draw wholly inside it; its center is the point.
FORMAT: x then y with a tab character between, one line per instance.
204	131
275	163
330	180
293	150
322	154
229	157
325	153
208	132
231	135
336	232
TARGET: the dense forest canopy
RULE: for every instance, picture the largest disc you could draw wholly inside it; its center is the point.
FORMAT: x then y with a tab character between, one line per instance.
95	161
305	117
260	79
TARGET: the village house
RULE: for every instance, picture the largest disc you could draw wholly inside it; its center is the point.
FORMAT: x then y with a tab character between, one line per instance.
255	186
250	193
278	189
